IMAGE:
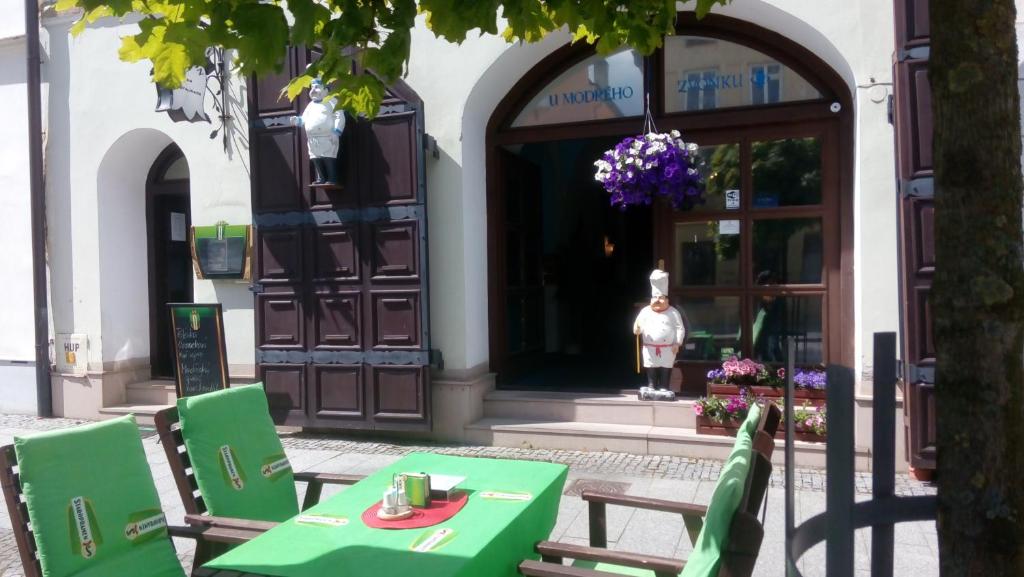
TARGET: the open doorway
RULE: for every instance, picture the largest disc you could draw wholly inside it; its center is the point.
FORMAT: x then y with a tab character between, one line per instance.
170	258
575	269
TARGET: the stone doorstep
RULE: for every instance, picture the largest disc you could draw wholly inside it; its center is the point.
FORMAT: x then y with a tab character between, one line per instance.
614	408
634	439
152	392
143	413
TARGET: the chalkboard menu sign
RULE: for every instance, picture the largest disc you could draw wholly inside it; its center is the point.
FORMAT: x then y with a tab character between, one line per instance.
199	354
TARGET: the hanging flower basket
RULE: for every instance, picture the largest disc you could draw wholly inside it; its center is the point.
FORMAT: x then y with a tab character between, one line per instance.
654	164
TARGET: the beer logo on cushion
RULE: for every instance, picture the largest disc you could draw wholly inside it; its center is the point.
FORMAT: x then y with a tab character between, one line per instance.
144	526
275	467
85	533
229	468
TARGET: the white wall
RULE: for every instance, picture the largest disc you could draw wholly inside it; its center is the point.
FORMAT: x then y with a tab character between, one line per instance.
461	85
97	102
13	21
17	351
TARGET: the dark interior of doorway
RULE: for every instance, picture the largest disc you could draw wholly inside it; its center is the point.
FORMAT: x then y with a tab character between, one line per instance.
576	270
170	257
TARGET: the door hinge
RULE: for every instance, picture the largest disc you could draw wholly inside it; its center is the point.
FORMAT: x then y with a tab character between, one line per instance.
430	145
891	109
256	288
437	359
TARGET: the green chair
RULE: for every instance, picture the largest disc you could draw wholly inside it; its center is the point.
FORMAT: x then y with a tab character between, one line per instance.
726	535
228	462
82	503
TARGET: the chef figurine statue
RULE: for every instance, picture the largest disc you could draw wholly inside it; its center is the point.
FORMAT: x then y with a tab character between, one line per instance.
324	126
661	328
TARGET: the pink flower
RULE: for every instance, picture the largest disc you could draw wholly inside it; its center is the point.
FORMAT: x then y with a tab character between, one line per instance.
781	373
698	409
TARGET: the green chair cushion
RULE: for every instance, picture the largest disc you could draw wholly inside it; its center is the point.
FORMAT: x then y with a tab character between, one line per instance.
239	463
706	556
94	509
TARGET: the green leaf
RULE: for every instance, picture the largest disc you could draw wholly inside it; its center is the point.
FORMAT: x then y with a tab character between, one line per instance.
297	85
169	64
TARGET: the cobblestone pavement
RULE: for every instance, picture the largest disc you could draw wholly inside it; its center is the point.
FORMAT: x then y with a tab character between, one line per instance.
650	475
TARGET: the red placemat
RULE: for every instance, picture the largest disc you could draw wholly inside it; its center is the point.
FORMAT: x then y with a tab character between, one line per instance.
437	512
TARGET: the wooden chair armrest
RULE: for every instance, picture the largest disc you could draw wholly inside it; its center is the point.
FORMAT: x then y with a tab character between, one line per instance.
229	523
315	483
541	569
693	515
678	507
328	478
213	534
662	566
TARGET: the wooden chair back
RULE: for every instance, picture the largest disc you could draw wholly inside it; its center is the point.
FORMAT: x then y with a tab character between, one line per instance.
169	431
746	533
18	511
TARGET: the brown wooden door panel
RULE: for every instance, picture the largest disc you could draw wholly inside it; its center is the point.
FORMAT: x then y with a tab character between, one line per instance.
391	154
395	253
285	385
275	162
342	330
922	437
282	320
396	319
337	320
912	22
913	127
339	394
400	394
336	253
279	255
914	100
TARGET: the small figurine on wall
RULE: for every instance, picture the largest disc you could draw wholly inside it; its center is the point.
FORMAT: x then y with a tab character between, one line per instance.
324	126
661	328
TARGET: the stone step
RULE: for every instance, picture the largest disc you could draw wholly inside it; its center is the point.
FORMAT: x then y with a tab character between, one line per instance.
154	392
634	439
609	408
143	412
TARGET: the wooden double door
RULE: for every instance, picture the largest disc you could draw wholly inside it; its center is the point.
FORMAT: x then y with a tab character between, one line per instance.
340	276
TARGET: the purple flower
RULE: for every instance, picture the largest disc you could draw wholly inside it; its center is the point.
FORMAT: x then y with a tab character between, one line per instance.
649	165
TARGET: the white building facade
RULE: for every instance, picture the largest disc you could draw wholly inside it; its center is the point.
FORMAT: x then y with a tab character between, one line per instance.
520	124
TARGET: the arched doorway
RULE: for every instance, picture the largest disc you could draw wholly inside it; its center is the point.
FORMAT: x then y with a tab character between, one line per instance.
768	256
168	218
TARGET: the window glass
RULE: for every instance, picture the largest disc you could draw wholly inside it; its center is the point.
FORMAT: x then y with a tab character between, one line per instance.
597	88
720	167
714	328
178	170
707	73
708	253
786	172
778	317
787	251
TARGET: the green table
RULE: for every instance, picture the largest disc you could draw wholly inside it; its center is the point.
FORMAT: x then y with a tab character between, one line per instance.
489	536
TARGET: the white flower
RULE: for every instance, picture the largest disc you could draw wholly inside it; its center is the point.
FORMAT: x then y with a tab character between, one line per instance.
692	147
636	145
674	134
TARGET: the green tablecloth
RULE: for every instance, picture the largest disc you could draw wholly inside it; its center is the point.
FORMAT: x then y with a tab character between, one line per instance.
490	535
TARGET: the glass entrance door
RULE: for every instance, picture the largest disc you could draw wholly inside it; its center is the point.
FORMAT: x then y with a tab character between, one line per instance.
755	264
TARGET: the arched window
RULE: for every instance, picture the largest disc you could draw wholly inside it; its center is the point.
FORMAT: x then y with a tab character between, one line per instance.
767	256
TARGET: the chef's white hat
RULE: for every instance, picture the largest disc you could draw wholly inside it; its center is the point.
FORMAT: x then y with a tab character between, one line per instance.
659	283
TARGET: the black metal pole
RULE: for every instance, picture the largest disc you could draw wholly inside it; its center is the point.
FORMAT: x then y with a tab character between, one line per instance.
883	481
787	419
839	458
44	396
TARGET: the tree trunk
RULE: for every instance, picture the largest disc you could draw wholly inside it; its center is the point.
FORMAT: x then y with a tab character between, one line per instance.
978	294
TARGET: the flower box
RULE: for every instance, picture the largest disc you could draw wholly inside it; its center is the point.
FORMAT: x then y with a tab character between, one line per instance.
815	397
728	428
